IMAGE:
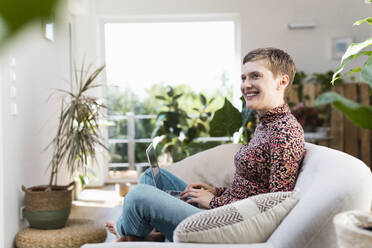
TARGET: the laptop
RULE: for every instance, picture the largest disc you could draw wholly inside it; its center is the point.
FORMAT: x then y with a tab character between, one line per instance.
156	176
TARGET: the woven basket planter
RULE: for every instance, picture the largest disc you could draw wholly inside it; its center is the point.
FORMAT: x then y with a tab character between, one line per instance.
48	209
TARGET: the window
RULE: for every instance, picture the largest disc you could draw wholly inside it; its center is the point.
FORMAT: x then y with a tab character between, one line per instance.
143	58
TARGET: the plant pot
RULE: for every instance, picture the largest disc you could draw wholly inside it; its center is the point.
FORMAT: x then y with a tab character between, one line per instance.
78	188
353	229
48	209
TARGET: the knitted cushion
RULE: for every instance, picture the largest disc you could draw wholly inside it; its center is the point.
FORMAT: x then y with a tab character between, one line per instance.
76	233
251	220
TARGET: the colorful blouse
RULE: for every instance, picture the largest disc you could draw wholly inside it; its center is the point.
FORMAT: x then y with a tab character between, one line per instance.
270	161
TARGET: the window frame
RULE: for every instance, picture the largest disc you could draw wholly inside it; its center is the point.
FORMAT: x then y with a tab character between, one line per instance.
103	20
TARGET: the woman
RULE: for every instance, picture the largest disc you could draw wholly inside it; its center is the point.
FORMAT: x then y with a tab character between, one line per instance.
269	163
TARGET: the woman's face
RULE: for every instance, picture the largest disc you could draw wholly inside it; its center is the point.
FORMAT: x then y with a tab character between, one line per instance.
260	89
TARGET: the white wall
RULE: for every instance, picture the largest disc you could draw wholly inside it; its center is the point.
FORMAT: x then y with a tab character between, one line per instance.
2	223
41	66
263	23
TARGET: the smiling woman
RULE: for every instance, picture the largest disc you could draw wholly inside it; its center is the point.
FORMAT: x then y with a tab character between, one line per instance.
268	163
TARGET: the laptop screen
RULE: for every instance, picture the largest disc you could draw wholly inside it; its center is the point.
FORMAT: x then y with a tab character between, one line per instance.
153	161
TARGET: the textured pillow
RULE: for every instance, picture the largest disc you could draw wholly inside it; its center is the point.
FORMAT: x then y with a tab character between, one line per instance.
251	220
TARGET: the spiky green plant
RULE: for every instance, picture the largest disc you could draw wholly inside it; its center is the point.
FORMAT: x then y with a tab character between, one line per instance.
78	136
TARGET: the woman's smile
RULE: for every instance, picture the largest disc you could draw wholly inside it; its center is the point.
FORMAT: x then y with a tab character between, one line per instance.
251	94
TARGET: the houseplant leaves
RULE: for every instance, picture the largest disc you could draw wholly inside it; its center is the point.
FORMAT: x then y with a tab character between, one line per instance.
226	121
360	115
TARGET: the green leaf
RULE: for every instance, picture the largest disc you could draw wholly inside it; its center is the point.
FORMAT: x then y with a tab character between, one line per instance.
360	115
202	127
342	66
366	74
203	118
177	96
367	20
226	121
246	116
352	71
192	133
368	1
161	98
246	112
170	91
355	48
83	180
17	14
203	100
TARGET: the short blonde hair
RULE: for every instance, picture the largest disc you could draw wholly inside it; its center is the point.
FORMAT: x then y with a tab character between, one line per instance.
279	63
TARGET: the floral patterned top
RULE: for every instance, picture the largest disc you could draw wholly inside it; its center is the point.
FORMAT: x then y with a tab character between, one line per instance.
270	161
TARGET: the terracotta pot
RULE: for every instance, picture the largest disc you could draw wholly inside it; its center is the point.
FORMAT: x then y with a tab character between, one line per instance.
48	209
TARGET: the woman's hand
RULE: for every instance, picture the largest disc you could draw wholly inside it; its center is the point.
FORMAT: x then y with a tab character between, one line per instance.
201	196
199	186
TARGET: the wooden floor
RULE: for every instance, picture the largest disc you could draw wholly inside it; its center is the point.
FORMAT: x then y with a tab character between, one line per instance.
98	204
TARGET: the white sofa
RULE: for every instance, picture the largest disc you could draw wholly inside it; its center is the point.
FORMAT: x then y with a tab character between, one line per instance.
330	182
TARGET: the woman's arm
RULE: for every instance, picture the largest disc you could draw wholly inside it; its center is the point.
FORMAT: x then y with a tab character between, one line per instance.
219	190
287	149
237	191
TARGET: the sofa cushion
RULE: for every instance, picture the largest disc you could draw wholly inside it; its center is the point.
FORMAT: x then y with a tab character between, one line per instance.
251	220
214	166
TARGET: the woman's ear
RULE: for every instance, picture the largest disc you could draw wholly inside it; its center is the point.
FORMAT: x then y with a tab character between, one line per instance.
283	83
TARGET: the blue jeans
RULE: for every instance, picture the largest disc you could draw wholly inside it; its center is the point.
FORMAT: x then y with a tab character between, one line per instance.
147	207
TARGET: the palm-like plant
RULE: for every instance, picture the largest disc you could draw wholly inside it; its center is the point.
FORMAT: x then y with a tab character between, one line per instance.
359	114
78	134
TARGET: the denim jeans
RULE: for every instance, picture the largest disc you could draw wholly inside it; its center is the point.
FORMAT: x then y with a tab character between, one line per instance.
147	207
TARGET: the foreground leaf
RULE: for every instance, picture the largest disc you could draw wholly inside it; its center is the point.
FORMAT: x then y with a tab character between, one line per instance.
360	115
355	48
347	61
367	20
367	72
226	121
17	14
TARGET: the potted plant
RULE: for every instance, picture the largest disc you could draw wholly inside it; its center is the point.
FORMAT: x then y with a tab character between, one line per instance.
308	117
74	148
175	130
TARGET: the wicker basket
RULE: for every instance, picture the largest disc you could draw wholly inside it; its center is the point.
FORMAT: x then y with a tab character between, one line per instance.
76	233
48	209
